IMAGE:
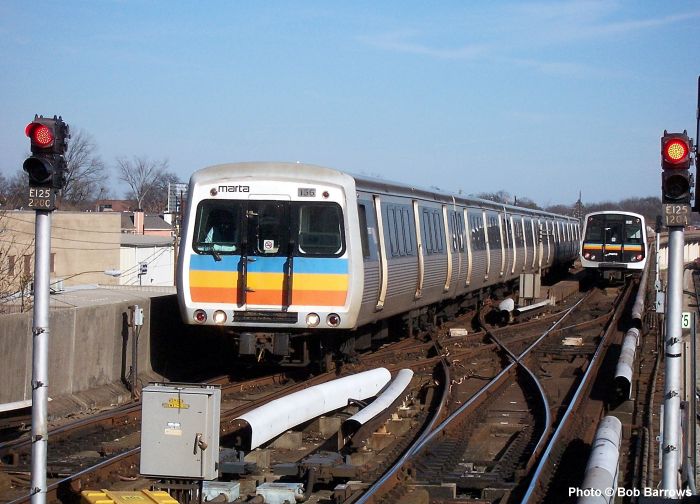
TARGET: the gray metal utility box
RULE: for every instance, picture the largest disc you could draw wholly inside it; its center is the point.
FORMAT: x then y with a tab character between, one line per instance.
180	430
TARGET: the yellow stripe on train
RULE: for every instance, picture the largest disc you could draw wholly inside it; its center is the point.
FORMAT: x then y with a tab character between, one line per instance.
213	279
270	281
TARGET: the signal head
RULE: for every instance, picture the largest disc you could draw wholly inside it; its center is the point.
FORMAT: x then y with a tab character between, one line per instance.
675	151
47	166
41	135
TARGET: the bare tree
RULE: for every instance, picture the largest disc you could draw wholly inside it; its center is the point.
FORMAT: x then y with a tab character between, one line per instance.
141	175
13	190
156	200
86	172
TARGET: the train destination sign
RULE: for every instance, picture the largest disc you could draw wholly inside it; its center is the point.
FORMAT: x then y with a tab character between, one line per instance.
676	214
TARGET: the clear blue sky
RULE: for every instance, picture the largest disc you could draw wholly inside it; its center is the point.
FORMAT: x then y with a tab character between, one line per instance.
540	99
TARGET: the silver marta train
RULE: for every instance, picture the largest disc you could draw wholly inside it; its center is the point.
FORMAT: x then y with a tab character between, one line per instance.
276	252
614	243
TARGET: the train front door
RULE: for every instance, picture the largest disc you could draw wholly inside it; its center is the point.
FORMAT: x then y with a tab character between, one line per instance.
266	268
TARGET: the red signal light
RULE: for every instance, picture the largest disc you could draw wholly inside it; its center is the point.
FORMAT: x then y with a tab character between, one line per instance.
676	151
40	134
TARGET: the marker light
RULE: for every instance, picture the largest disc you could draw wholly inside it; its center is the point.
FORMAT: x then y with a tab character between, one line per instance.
312	319
333	320
219	317
200	316
675	151
39	134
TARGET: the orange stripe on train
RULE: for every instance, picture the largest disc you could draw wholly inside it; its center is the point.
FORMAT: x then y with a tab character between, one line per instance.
214	295
268	297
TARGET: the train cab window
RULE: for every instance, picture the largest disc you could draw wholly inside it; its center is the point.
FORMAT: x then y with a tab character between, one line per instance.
218	228
268	228
633	230
320	229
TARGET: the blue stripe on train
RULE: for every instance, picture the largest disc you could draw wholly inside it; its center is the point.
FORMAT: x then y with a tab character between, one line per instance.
270	264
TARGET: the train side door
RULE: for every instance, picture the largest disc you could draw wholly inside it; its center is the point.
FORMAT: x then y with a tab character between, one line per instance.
469	249
488	247
419	246
524	232
383	266
448	248
503	233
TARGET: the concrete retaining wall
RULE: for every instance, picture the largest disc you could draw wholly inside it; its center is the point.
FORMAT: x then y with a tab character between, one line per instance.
89	346
90	343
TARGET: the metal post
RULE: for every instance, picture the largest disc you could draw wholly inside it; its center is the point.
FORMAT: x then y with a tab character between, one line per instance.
40	363
673	349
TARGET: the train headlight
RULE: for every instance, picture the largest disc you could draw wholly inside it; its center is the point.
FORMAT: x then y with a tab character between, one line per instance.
312	319
200	316
587	255
333	320
640	257
219	317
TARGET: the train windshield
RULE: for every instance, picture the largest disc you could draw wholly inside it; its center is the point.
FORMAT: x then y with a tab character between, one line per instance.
614	228
269	228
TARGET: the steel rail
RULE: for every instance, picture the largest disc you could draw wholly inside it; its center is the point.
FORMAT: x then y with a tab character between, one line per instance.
369	494
573	404
429	434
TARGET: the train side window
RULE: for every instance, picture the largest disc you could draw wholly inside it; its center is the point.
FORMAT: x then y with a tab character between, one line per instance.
477	230
427	232
439	236
364	232
391	229
407	231
493	232
454	232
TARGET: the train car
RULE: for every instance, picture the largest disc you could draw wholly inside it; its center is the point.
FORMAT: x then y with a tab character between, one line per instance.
614	244
292	258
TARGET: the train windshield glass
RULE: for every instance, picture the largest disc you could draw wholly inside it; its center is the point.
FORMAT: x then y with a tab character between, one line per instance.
217	229
264	228
609	229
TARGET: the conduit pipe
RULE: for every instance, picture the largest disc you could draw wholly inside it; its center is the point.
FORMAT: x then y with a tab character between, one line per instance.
601	472
272	419
372	414
623	371
638	307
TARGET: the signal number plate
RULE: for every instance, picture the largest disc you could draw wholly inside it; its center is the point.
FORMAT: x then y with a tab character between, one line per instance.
676	215
42	198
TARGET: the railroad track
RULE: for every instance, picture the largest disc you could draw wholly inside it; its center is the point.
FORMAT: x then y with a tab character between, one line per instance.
103	449
478	454
464	377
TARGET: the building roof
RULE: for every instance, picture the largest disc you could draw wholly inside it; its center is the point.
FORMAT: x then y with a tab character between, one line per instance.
150	222
114	205
139	240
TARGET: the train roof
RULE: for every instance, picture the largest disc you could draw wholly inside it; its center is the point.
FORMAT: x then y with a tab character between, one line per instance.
292	171
615	212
